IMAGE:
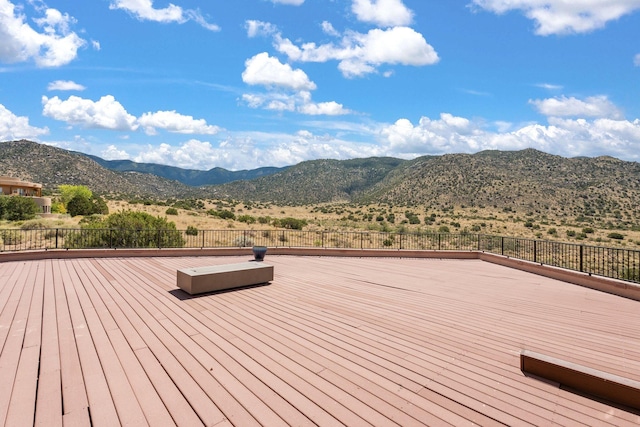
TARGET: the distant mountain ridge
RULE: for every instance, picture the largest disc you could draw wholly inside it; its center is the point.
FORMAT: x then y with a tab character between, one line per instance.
509	180
192	177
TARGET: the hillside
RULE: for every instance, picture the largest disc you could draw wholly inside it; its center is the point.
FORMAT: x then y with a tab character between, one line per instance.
313	182
52	166
523	181
190	177
527	178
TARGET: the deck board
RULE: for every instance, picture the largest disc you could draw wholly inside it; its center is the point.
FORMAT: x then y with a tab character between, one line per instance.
330	341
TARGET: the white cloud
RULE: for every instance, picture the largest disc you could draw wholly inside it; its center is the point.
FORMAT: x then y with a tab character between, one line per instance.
55	46
106	113
594	106
268	71
14	127
564	16
331	108
300	102
360	54
566	137
386	13
114	153
549	86
96	44
259	28
65	85
144	11
175	123
636	60
254	149
328	29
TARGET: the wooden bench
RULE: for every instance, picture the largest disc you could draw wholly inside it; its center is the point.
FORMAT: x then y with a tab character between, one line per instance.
226	276
619	390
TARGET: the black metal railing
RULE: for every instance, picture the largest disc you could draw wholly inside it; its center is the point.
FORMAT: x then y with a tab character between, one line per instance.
614	263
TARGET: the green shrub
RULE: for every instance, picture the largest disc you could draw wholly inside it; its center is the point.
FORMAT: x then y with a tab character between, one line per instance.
552	231
11	237
247	219
127	229
292	223
443	229
264	219
615	236
388	242
571	233
588	230
17	208
191	231
79	205
171	211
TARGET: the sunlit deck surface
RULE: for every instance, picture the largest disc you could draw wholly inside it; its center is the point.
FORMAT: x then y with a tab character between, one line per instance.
331	341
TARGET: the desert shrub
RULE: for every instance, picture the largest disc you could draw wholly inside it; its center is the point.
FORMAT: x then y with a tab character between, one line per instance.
292	223
11	237
16	208
99	205
264	219
552	231
388	242
615	236
412	217
191	231
127	229
247	219
224	214
476	228
571	233
588	230
243	241
35	224
391	218
171	211
443	229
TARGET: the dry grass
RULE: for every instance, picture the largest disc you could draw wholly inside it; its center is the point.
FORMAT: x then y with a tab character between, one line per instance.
342	216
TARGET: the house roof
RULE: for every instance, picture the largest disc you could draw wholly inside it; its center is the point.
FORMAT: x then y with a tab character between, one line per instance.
330	341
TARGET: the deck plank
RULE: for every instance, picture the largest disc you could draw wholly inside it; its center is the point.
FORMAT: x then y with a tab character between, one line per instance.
331	341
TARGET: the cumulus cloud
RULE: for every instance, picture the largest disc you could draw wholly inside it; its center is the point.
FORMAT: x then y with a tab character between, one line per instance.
567	137
254	149
594	106
328	29
359	54
174	122
144	11
65	85
562	16
636	60
114	153
259	28
265	70
106	113
14	127
55	45
300	102
386	13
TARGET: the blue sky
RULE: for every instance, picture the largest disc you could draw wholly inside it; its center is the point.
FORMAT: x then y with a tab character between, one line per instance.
248	83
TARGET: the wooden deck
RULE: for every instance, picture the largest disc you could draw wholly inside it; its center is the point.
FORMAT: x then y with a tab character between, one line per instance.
331	341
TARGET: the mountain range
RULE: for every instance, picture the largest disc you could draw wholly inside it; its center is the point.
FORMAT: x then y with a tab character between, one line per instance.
529	179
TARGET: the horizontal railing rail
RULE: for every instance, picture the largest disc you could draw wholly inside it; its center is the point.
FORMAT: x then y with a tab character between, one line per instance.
616	263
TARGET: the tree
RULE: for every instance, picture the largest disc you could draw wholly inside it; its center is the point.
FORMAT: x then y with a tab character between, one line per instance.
79	205
16	208
68	192
99	205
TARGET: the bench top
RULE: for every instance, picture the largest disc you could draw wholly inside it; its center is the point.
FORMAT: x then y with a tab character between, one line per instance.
223	268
